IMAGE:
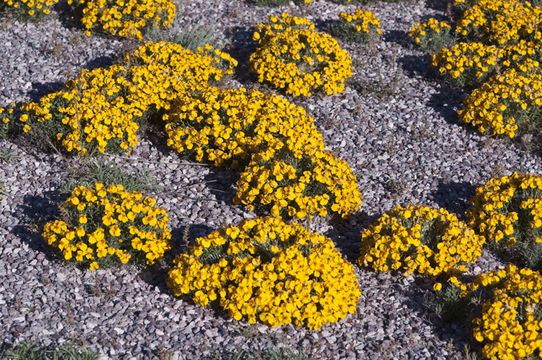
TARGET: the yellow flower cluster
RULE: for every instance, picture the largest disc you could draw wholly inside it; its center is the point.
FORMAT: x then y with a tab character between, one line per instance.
364	21
295	57
472	60
265	269
107	222
509	209
510	325
500	54
419	239
126	18
223	125
506	101
7	115
32	7
426	31
100	110
289	172
500	22
299	187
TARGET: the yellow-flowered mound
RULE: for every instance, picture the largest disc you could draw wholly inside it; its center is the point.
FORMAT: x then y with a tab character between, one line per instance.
507	102
419	239
32	7
295	57
102	223
510	325
363	22
299	187
127	18
499	54
100	111
229	125
289	174
267	270
509	210
424	32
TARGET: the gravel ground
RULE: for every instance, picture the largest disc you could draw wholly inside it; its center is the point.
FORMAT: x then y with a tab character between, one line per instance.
395	124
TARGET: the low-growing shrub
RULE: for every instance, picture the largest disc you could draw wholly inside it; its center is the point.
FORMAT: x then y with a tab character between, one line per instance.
289	174
267	270
510	322
190	38
362	25
507	104
279	2
28	350
102	224
128	18
500	22
109	174
229	125
102	109
34	9
467	64
299	187
8	126
419	239
431	35
498	55
294	57
508	212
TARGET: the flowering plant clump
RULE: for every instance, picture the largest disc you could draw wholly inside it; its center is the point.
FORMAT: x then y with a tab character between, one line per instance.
228	125
506	103
289	172
420	239
498	54
500	22
295	57
101	224
467	64
362	25
101	109
431	35
268	270
508	210
510	323
299	187
7	121
33	8
127	18
279	2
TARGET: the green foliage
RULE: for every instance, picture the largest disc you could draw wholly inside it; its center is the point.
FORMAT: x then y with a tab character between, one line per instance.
276	2
275	354
190	38
31	351
448	305
110	174
365	2
3	189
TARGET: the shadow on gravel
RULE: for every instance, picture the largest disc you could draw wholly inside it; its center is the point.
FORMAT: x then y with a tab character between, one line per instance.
457	332
221	181
347	238
241	47
39	90
446	102
398	37
69	17
181	239
38	210
103	61
454	197
418	66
